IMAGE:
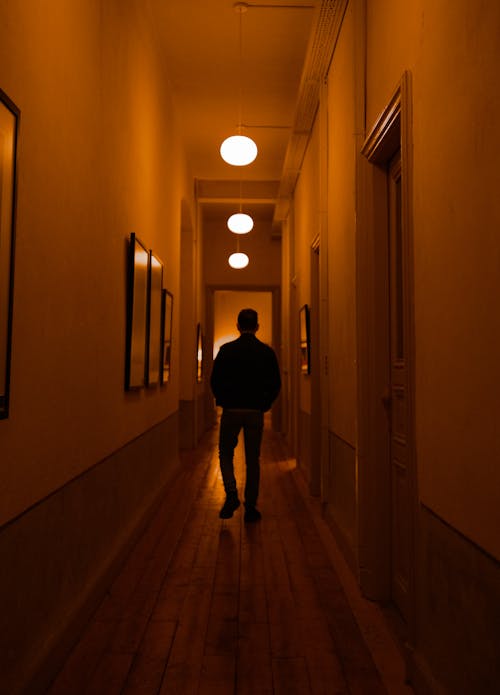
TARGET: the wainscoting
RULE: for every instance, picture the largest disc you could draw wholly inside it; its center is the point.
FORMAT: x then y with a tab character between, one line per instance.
195	417
458	613
187	424
304	445
57	558
340	495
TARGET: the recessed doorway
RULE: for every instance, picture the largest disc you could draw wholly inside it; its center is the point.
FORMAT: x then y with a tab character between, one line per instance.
223	307
228	304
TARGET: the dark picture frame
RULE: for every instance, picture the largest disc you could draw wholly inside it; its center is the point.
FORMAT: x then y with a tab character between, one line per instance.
9	127
167	312
305	339
154	323
137	314
199	354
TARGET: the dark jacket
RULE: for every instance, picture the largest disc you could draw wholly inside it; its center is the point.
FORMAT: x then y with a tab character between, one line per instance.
245	374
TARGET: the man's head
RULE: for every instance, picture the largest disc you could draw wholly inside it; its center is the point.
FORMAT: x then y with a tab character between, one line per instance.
248	321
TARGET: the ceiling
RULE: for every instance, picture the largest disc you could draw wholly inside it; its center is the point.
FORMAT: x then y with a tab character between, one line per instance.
222	62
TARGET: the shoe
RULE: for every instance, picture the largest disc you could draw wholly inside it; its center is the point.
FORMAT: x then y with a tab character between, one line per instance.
252	515
229	507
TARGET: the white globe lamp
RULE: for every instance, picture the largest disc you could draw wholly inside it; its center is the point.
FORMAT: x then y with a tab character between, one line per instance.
240	223
238	150
238	260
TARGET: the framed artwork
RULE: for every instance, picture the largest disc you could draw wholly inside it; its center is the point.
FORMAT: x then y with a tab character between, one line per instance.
305	340
199	354
167	307
9	123
154	341
137	314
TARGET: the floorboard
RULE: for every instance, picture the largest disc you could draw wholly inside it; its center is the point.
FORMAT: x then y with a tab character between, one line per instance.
209	606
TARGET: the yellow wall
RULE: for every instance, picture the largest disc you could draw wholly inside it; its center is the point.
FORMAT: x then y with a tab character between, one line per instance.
453	52
393	38
457	256
342	235
306	223
98	159
228	304
185	306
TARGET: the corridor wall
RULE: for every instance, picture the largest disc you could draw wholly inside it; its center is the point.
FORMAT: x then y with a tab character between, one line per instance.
341	490
192	316
82	460
336	368
306	229
451	51
447	53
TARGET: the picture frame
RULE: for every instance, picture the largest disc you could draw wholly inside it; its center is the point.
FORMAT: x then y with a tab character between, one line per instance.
167	310
305	339
154	322
199	354
137	314
9	127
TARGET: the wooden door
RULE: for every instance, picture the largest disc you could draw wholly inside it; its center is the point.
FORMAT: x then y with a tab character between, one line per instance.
398	395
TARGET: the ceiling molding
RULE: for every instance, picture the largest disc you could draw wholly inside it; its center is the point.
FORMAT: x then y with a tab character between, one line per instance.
244	6
328	22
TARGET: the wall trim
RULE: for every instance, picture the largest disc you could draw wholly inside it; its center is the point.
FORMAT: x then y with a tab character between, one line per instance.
384	139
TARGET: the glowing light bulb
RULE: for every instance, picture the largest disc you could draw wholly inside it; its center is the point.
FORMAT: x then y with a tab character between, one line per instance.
238	260
239	223
238	150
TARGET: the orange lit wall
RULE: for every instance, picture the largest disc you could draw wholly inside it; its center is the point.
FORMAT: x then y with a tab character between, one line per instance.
228	304
453	53
98	159
306	228
342	235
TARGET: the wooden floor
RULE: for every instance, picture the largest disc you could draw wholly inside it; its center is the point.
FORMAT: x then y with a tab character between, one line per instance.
208	606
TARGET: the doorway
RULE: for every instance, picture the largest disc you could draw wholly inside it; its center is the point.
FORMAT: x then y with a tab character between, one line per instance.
227	305
386	449
315	456
223	306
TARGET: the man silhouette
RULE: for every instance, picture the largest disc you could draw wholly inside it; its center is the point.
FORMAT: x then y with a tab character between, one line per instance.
245	381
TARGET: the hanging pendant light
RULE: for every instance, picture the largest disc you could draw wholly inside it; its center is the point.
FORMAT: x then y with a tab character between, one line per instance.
238	260
240	223
239	150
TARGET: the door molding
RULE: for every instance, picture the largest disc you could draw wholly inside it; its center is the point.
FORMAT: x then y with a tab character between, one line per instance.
315	423
391	131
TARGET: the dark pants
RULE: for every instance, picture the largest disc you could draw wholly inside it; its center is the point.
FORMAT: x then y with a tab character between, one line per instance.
252	422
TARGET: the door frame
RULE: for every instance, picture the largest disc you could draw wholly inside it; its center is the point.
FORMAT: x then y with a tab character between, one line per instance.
315	428
391	131
275	291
